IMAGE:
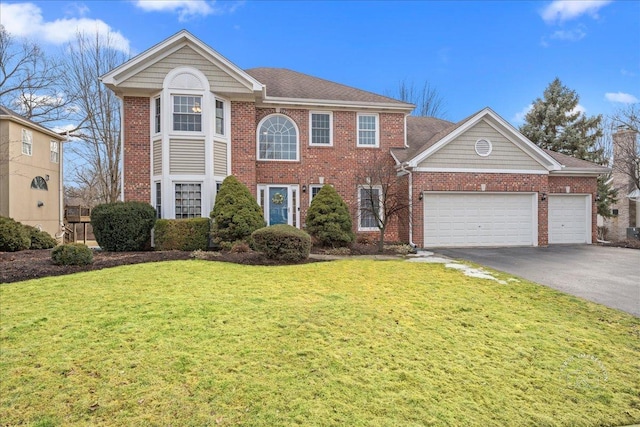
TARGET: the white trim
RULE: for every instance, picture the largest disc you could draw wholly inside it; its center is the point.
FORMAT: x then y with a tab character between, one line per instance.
310	189
311	143
579	172
473	170
295	125
359	214
26	140
377	130
490	148
226	117
496	122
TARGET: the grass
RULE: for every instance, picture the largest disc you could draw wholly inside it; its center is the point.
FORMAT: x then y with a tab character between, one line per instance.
195	343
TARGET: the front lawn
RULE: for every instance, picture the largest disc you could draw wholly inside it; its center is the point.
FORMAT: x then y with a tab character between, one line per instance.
348	343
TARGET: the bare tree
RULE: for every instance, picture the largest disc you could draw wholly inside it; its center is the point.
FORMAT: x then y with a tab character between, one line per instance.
96	140
30	81
626	121
382	195
427	99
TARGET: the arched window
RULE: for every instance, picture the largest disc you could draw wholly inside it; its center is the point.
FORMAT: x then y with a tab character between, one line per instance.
39	183
277	139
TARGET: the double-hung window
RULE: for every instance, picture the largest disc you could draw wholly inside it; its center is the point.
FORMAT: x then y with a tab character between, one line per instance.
369	208
55	151
220	123
321	129
157	115
368	130
187	113
314	189
27	142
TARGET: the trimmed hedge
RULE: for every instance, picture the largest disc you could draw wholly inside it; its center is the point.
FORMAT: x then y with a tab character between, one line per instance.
40	239
182	234
328	220
282	242
72	254
236	213
123	226
13	236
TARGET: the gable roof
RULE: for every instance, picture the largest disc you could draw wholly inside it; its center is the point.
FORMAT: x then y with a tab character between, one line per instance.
8	114
161	50
290	86
573	165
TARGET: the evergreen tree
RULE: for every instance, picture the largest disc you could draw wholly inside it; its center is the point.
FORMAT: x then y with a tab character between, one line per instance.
328	219
236	213
556	124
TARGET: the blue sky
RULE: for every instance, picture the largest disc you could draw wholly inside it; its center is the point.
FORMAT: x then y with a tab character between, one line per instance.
499	54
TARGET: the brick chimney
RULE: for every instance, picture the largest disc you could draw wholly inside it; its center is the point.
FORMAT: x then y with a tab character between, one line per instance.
624	148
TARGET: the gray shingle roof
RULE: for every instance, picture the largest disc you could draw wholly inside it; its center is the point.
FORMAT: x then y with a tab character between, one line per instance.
570	162
283	83
4	111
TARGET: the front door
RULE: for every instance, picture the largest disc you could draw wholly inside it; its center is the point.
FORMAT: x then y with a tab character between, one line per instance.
278	205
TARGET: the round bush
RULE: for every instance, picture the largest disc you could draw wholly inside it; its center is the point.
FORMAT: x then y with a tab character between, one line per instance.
72	254
328	219
40	239
123	226
282	242
236	213
13	236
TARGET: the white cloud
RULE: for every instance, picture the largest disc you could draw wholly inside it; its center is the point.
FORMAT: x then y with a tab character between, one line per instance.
627	73
26	20
187	9
518	118
566	10
621	97
578	109
569	35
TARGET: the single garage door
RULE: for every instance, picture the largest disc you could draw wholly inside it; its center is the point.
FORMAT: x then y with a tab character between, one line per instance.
569	218
480	219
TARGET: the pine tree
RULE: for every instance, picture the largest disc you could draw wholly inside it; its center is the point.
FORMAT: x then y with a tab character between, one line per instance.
328	219
555	123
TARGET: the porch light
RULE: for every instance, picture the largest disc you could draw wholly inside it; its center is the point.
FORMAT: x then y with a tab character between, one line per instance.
304	188
543	197
420	197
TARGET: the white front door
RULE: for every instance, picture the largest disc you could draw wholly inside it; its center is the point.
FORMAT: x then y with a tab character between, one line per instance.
480	219
280	204
569	218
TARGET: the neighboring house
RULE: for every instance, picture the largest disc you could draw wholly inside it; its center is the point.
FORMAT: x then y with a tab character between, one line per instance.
191	118
626	212
30	172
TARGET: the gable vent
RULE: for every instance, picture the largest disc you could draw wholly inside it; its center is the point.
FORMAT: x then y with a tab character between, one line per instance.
483	147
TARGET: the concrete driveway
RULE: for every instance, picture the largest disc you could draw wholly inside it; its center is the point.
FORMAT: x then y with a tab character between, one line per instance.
606	275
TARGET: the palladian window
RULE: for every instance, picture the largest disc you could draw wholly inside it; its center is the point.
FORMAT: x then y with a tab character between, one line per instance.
277	139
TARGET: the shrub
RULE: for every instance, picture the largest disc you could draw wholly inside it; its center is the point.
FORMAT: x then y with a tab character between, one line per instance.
236	213
328	219
182	234
123	226
72	254
282	242
13	236
40	239
240	247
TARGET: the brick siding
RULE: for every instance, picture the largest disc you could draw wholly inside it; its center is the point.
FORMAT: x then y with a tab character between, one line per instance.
137	149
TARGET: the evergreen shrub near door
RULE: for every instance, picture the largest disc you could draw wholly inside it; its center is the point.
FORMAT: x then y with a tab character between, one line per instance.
328	219
236	214
123	226
182	234
282	242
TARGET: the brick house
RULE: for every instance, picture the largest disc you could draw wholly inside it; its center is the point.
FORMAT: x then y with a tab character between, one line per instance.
191	118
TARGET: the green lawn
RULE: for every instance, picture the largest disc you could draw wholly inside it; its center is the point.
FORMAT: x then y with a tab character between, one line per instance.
348	343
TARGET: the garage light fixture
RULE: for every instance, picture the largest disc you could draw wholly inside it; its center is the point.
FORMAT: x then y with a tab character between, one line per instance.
420	197
543	197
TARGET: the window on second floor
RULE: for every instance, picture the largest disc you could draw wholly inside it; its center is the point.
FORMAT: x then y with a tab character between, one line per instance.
157	115
321	128
27	142
277	139
187	113
220	123
55	151
368	130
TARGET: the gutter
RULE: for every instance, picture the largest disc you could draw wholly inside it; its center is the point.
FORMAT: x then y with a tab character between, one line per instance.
403	169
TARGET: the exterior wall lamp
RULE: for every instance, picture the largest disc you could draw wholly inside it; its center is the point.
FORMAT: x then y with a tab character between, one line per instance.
304	188
420	197
543	197
40	203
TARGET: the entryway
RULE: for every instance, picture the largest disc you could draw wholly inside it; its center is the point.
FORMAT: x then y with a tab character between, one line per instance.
280	204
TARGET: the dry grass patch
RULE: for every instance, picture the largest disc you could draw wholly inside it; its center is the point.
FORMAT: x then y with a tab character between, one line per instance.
343	343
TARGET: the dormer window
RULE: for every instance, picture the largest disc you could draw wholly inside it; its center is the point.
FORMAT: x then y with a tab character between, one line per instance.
187	113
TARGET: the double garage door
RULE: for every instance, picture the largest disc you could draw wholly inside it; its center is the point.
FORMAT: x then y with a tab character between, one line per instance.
501	219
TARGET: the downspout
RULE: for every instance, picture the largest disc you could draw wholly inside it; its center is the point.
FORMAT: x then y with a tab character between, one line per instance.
61	188
403	169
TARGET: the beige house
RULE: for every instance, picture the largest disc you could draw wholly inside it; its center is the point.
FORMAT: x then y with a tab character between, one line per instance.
30	173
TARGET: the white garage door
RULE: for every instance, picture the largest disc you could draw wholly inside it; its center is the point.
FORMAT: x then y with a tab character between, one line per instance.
480	219
569	219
